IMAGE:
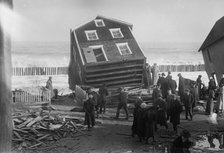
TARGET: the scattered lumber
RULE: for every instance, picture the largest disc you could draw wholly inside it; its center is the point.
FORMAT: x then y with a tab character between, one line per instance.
34	129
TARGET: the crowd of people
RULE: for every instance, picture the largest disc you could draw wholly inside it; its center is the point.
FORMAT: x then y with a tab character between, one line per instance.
168	103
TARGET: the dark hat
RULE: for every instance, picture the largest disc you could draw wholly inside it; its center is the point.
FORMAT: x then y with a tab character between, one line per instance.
163	74
187	90
185	134
200	75
179	74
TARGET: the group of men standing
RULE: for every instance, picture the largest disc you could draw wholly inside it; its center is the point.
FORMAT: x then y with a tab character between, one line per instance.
167	88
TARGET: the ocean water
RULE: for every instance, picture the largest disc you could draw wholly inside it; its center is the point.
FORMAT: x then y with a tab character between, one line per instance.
57	53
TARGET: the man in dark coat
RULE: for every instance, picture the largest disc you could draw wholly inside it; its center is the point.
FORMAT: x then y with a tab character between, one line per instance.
161	106
141	122
89	111
211	84
181	86
210	102
138	102
182	143
188	101
221	82
123	98
199	85
96	98
103	92
156	92
172	84
161	79
175	111
168	103
164	85
150	121
148	74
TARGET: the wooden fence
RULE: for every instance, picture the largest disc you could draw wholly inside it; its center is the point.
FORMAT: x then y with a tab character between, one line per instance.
27	98
182	68
26	71
23	71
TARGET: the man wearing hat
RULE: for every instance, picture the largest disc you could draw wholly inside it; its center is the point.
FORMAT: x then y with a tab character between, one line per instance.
181	86
163	81
161	106
123	98
188	100
199	85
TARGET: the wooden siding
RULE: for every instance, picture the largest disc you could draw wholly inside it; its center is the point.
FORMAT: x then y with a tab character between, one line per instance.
124	73
215	62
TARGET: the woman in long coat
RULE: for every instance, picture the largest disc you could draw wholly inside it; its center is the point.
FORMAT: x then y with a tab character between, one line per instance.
161	107
138	102
141	122
175	111
150	121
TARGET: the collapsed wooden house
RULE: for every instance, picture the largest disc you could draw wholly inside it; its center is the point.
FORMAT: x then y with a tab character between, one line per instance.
105	50
212	50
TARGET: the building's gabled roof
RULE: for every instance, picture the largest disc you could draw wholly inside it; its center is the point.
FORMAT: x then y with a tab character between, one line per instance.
215	34
105	18
115	20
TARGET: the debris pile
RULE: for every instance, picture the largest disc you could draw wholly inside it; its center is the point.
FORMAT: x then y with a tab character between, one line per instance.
35	129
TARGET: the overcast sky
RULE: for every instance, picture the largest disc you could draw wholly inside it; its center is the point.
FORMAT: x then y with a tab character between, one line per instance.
153	20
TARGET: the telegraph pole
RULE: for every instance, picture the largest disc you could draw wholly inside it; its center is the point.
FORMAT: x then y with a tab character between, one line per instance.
5	86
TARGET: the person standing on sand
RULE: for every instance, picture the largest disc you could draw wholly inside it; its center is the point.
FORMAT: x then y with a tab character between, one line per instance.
156	92
175	111
181	87
168	102
123	98
199	85
220	105
188	100
49	86
211	96
155	73
221	83
103	92
148	74
138	102
172	84
89	111
150	121
161	108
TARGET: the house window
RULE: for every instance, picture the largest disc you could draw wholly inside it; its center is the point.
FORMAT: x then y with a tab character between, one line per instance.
116	33
91	35
95	54
124	48
99	23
